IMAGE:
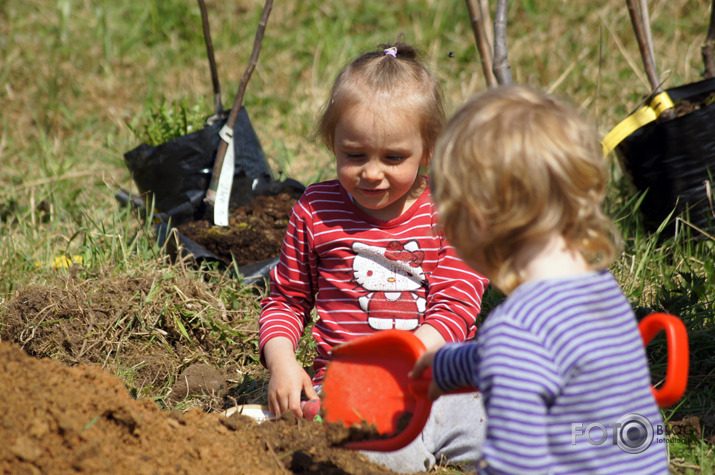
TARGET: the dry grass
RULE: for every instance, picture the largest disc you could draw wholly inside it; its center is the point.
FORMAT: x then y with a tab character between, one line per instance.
146	325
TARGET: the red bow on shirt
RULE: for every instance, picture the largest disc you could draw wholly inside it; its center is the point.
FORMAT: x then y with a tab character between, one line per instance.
396	251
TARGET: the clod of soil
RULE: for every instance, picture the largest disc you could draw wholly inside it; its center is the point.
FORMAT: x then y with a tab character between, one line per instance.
340	435
60	419
197	380
254	234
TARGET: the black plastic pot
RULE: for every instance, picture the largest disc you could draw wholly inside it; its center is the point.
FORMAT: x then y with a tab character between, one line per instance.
673	161
177	173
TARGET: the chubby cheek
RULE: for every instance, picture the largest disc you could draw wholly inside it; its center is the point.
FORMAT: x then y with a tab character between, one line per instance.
346	174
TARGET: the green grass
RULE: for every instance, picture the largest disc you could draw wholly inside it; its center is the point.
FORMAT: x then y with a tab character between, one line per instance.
83	82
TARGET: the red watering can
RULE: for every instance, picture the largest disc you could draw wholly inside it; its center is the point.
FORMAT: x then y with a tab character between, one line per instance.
366	382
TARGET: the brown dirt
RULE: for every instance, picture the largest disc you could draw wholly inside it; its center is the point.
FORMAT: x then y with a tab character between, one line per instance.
60	419
255	233
64	410
145	326
685	106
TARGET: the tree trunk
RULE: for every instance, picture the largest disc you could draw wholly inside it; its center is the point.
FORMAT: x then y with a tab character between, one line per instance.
210	198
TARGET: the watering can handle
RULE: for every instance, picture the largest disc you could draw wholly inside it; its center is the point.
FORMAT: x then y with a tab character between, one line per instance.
676	373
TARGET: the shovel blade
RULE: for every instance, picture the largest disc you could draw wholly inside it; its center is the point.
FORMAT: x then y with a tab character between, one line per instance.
366	382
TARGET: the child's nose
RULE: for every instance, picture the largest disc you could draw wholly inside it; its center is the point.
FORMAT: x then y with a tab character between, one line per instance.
372	171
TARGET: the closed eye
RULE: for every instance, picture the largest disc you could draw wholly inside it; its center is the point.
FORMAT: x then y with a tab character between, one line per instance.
395	158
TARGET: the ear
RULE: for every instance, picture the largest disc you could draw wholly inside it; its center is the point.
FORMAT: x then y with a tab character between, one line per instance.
426	158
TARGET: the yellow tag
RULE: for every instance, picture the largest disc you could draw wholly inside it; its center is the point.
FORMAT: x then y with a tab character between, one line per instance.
644	115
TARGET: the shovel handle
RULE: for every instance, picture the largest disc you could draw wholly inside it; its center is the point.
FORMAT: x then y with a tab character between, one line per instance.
420	387
676	373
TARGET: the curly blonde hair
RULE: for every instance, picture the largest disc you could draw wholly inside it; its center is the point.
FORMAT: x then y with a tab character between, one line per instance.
514	166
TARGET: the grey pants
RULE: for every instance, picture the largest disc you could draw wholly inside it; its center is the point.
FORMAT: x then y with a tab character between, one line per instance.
454	434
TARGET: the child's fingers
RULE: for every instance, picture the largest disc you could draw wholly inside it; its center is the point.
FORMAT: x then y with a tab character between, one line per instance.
422	363
274	405
433	392
294	405
419	368
310	392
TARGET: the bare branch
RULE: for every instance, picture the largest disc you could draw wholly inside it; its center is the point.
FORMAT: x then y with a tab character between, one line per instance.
218	107
502	70
645	49
478	26
486	15
642	31
645	19
708	49
237	103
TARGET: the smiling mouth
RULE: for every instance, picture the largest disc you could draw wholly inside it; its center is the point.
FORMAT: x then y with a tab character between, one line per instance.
371	192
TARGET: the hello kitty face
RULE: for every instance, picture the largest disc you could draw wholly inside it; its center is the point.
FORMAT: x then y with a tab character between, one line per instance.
394	268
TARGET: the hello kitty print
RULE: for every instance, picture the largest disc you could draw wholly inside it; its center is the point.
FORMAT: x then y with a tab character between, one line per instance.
390	275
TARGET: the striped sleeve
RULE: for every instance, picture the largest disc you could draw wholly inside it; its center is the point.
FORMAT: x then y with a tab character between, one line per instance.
519	376
286	310
455	296
455	366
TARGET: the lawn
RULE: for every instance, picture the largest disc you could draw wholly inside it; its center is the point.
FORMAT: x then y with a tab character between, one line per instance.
81	83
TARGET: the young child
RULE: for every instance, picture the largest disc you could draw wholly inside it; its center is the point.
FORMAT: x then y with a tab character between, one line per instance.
364	252
560	363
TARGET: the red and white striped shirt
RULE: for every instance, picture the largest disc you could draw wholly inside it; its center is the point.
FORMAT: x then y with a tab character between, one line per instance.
365	275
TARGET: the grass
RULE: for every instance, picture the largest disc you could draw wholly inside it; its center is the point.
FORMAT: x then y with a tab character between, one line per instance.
83	82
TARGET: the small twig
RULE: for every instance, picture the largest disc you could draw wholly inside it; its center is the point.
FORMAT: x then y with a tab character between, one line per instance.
708	49
642	31
238	102
281	466
567	71
502	70
218	107
698	229
480	35
648	61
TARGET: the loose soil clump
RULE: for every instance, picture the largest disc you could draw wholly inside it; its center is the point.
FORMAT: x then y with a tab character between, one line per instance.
685	106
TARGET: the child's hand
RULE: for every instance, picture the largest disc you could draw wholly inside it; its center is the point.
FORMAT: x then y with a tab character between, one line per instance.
288	378
288	381
421	365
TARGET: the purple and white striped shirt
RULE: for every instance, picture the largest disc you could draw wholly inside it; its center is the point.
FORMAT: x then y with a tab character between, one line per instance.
564	376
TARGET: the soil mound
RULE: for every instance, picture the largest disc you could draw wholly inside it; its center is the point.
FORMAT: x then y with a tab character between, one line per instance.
61	419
